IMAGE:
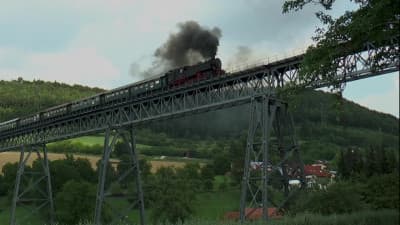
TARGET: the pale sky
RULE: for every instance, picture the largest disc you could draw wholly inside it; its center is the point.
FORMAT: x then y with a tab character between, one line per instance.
95	42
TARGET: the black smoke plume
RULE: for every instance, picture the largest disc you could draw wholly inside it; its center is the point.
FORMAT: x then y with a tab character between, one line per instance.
190	45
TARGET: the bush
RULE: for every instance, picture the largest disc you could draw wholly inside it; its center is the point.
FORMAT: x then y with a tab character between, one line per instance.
338	198
64	170
9	174
173	197
3	186
74	202
116	189
382	191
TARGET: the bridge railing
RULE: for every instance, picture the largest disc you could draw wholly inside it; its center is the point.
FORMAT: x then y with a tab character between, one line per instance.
265	61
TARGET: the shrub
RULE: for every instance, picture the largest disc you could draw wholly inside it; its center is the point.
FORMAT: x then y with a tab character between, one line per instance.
338	198
74	202
382	191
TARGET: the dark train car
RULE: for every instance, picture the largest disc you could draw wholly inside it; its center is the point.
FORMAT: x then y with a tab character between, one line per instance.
30	119
9	125
148	86
56	111
198	72
85	104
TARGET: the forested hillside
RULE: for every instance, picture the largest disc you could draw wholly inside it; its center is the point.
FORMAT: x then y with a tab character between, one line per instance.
324	125
20	97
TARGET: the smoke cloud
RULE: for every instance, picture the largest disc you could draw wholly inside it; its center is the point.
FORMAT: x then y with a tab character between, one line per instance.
190	45
243	54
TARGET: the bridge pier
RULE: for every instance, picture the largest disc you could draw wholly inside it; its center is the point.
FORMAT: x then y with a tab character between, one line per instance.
272	158
28	190
128	168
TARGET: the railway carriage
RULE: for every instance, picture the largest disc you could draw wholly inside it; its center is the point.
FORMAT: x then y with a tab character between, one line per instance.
9	125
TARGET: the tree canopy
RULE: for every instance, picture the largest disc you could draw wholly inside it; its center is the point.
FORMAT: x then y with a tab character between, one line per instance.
374	22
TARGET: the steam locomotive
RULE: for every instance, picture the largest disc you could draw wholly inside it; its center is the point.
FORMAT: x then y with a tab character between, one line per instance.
172	79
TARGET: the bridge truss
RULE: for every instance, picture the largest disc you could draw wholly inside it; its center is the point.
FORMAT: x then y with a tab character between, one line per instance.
257	85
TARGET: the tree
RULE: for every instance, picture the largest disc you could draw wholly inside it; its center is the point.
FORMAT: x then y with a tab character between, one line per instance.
370	163
124	164
75	202
85	170
9	175
110	173
190	173
237	152
342	166
3	187
374	22
64	170
207	176
221	163
145	168
173	197
382	191
339	198
61	172
392	161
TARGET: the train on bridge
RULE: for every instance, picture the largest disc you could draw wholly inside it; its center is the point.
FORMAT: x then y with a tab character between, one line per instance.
172	79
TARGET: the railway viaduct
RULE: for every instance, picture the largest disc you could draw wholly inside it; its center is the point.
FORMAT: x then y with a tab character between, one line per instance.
255	85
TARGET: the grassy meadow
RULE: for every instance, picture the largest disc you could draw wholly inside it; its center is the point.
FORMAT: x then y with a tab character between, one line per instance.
379	217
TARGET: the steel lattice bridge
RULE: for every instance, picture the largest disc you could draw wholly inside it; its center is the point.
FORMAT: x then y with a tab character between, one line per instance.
271	146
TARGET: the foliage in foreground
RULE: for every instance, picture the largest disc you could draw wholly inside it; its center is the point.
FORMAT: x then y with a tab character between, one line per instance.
374	21
387	217
75	201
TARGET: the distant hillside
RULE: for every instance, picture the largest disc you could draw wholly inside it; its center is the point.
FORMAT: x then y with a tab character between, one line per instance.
20	97
324	122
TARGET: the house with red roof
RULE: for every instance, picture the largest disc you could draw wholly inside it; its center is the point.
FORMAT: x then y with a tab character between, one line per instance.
254	214
318	170
317	175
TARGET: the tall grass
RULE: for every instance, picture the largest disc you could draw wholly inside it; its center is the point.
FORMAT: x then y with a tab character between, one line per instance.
381	217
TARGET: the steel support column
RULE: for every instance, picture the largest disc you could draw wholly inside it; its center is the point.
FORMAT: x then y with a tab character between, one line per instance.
28	190
127	170
271	155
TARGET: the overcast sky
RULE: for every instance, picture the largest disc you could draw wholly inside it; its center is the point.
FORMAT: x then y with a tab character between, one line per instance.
101	42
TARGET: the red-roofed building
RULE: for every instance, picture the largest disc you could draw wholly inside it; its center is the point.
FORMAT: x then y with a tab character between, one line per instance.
253	214
317	170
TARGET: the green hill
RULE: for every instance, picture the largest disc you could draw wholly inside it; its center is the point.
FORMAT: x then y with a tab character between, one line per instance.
20	98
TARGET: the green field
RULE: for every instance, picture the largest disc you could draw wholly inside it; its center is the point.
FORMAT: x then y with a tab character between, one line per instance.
20	213
93	145
379	217
209	206
89	140
99	140
212	206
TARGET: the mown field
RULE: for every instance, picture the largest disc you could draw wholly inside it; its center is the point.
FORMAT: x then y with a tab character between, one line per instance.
156	163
